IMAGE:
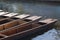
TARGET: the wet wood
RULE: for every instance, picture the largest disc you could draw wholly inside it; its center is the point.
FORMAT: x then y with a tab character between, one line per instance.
11	14
14	26
22	26
3	13
22	16
33	18
27	30
48	20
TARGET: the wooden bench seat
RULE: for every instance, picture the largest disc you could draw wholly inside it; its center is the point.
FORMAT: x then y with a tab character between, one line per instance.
22	16
11	14
3	13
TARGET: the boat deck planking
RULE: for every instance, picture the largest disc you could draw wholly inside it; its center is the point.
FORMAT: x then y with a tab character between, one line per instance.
22	16
3	13
11	14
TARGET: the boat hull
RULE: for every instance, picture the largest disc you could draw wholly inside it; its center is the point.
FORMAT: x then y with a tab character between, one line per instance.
30	32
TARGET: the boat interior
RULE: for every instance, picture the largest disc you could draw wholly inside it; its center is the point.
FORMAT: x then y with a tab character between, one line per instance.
19	28
8	23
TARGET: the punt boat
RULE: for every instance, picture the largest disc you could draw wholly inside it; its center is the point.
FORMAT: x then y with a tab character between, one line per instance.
22	31
8	23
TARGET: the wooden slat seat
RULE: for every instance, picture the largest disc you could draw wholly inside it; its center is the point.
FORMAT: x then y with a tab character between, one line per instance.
33	18
11	14
48	20
22	16
3	13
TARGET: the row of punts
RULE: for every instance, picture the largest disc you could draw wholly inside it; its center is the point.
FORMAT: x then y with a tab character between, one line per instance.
14	26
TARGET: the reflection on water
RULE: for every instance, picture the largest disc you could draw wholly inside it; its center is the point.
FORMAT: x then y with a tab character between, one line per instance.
36	9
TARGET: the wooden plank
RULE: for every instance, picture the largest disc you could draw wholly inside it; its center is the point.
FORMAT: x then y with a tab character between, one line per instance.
3	23
2	36
11	14
10	24
49	20
22	16
33	18
1	27
3	13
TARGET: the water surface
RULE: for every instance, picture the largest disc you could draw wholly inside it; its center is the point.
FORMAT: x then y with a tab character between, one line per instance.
41	9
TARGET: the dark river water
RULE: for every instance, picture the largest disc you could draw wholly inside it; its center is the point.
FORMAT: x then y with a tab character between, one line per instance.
43	9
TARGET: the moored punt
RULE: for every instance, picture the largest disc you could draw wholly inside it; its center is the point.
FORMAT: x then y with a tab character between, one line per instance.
22	24
16	33
11	14
8	23
3	13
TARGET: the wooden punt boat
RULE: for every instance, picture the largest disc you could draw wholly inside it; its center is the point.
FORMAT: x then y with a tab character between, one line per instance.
8	23
22	31
3	13
11	14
